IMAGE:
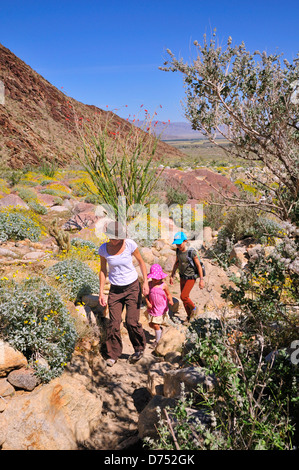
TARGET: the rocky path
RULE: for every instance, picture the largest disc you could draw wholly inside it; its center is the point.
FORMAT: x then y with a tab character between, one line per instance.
123	388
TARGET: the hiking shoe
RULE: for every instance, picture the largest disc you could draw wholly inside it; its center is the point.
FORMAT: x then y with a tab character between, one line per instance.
193	314
136	357
110	362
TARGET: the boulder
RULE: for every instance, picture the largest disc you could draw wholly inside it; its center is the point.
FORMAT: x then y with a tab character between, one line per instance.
81	221
149	417
171	340
155	378
168	263
24	379
35	255
147	255
83	207
10	359
238	255
55	416
13	200
6	253
6	389
191	377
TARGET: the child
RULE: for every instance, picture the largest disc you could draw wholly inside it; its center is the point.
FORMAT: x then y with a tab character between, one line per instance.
187	274
157	300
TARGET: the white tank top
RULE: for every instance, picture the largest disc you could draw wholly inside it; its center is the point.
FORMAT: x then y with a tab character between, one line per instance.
121	270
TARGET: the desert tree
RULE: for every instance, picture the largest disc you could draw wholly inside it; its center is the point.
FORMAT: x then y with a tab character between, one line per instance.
252	101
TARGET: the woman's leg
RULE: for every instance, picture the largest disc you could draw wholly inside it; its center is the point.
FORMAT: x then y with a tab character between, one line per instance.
186	287
114	341
135	330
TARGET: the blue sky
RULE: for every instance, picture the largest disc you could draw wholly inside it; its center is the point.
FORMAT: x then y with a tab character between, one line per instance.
107	53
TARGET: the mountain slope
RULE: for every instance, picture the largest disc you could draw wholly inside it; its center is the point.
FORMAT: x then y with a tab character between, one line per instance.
39	123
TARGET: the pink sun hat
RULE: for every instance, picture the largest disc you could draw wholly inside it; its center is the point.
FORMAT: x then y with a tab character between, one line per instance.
156	272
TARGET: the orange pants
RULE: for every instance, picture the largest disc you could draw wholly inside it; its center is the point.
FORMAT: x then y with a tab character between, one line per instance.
186	287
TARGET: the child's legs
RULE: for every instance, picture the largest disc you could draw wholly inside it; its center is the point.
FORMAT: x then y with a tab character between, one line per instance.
157	328
186	287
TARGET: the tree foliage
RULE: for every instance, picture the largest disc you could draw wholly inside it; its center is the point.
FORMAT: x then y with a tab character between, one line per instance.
251	100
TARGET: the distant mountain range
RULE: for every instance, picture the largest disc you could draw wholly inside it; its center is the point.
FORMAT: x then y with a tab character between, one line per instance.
171	130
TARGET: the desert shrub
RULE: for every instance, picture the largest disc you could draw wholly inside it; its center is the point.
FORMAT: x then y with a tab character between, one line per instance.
267	294
214	215
37	207
93	199
56	192
75	278
34	320
18	224
81	250
26	194
239	222
3	186
48	169
176	196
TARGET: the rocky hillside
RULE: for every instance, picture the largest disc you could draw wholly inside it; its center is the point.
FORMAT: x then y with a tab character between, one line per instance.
40	123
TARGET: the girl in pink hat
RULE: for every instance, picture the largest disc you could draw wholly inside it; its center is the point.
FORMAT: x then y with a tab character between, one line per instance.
157	300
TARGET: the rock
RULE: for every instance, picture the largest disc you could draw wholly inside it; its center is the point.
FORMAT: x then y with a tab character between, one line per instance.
23	378
47	199
4	252
12	200
6	389
59	209
190	377
155	378
86	314
171	340
35	255
10	359
238	255
174	358
159	245
83	207
168	263
255	251
147	255
81	221
149	417
56	416
207	236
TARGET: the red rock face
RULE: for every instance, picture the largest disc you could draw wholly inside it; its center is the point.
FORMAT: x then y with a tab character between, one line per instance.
38	122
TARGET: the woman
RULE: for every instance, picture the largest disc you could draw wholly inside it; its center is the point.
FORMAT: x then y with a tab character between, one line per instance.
125	291
187	273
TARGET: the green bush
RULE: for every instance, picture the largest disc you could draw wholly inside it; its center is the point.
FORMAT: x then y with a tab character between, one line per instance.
80	242
75	278
34	320
18	225
37	207
175	196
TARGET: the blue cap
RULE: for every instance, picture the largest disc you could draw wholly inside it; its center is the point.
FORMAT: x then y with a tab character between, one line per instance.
179	238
